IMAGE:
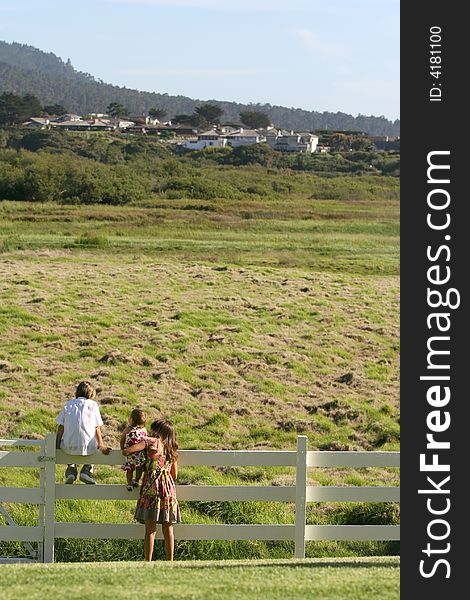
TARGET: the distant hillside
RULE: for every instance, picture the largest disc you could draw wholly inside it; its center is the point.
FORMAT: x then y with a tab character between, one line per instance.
25	69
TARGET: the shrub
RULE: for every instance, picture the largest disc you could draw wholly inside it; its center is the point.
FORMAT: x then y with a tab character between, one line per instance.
47	177
255	154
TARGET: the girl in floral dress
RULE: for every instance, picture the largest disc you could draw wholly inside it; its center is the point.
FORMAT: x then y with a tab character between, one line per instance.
157	502
134	433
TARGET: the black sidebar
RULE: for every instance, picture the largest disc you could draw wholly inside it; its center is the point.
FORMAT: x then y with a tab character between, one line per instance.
435	249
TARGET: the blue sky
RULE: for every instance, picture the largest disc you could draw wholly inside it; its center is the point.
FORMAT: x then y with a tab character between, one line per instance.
325	55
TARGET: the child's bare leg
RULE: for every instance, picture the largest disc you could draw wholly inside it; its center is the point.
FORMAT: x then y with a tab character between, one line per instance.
149	539
129	478
169	538
138	474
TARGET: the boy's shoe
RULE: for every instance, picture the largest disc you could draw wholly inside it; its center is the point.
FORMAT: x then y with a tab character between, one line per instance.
70	473
86	478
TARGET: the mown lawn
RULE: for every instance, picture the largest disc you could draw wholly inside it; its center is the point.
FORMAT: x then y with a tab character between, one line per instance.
325	579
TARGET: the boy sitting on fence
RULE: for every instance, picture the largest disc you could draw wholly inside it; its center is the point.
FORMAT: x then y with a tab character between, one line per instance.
79	431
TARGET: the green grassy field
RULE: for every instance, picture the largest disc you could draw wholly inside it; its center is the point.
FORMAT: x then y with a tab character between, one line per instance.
246	322
358	237
328	579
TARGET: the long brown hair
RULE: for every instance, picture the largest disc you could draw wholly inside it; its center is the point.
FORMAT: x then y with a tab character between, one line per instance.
165	431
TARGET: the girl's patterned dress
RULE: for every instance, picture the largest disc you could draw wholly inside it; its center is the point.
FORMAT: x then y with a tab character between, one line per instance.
134	436
157	500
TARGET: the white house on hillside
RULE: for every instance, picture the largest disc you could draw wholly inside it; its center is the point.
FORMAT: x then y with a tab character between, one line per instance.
229	127
119	123
68	117
244	137
288	141
37	122
206	139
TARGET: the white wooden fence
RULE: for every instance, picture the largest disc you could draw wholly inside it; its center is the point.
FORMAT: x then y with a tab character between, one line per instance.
47	457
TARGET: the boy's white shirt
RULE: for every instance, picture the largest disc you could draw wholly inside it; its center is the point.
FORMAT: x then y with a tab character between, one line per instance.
80	417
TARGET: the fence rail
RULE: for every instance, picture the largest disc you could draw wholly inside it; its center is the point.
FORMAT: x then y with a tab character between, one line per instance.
46	457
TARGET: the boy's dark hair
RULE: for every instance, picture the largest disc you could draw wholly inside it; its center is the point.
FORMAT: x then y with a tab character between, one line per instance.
138	417
85	390
165	431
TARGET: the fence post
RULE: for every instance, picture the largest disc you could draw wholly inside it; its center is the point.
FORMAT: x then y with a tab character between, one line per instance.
300	496
49	498
41	520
